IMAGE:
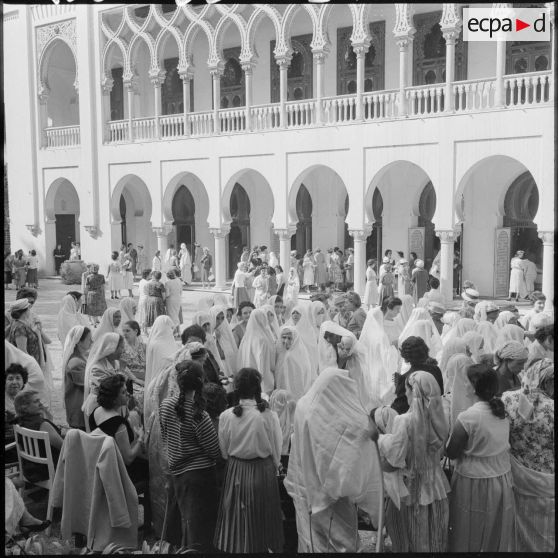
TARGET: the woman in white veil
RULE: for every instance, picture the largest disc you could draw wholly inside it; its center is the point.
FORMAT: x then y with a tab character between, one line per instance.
160	344
407	306
489	333
203	319
185	264
224	338
294	370
429	334
69	316
305	329
257	348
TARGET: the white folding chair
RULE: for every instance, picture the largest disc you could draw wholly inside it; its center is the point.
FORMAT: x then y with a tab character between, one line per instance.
29	443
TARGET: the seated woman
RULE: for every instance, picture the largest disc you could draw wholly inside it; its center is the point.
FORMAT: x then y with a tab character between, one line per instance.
106	417
29	414
542	346
17	516
510	359
530	411
74	359
16	378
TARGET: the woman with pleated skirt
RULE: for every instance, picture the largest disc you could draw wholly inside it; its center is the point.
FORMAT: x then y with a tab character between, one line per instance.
249	518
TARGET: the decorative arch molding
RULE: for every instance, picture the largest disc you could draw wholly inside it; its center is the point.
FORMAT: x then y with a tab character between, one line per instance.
52	192
46	38
195	186
141	196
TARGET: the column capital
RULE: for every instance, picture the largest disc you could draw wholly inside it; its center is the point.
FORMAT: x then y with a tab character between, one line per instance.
247	66
360	49
106	84
547	237
220	232
447	235
93	231
360	235
130	83
284	60
285	234
320	53
186	73
451	19
404	21
157	77
35	229
216	71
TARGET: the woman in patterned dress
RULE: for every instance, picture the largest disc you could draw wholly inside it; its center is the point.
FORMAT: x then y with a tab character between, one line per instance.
133	357
155	300
95	294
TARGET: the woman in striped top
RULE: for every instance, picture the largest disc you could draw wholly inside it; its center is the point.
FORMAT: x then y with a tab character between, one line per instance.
192	449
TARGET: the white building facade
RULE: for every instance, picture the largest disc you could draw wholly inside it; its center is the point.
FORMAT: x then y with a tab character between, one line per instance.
293	126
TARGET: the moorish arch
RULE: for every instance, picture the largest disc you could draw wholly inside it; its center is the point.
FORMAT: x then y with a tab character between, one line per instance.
131	211
185	211
497	204
400	203
318	205
247	206
62	211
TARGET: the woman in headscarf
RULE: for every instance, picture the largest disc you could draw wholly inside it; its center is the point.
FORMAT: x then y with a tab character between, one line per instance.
273	260
407	306
185	262
510	332
69	316
300	319
294	369
510	359
418	520
489	334
110	323
482	506
74	360
459	390
390	307
317	316
282	403
141	316
261	287
460	328
257	348
134	359
279	308
203	319
542	345
292	288
273	323
426	330
530	411
173	297
475	345
160	345
333	466
504	318
102	362
239	290
404	286
224	338
419	280
128	309
449	319
21	333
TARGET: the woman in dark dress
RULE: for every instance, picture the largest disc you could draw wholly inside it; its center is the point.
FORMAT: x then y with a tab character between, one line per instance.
155	300
95	294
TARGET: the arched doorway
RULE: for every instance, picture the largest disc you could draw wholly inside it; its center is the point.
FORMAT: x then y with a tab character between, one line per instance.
239	234
302	239
520	207
123	231
374	241
427	208
183	213
66	214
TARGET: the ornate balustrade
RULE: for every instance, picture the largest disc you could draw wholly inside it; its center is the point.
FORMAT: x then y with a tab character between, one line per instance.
62	136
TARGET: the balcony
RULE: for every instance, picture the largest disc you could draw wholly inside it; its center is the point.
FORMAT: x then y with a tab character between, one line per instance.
469	96
62	137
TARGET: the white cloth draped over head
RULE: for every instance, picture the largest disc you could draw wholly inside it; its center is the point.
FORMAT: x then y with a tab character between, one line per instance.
509	332
294	371
273	321
306	331
201	318
257	348
35	376
72	339
532	383
332	455
205	303
480	310
68	317
460	328
489	333
224	335
503	319
106	325
317	316
160	345
282	402
475	344
426	330
185	264
510	350
127	311
273	261
461	389
449	319
382	357
418	314
104	347
407	306
452	347
327	355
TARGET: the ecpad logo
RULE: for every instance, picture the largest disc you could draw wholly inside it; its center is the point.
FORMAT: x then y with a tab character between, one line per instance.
506	24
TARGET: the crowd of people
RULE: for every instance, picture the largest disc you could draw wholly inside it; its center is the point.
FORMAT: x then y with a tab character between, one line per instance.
264	386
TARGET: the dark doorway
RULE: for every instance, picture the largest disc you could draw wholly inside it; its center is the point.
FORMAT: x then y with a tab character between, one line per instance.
427	208
302	239
123	233
65	231
239	234
374	241
183	213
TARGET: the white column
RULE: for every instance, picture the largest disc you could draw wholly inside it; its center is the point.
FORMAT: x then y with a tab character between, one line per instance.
248	75
547	238
186	77
216	76
360	260
451	37
285	248
106	86
404	44
283	62
447	240
319	59
500	93
220	259
129	85
157	79
360	50
162	241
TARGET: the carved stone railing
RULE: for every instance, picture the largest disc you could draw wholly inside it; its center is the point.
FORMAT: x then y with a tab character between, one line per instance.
118	131
425	100
62	136
265	117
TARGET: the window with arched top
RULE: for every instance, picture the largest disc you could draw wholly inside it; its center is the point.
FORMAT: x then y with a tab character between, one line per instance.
233	92
299	73
183	213
172	96
429	51
373	60
521	202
